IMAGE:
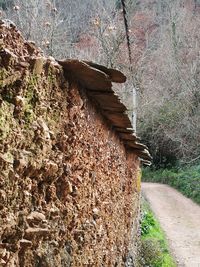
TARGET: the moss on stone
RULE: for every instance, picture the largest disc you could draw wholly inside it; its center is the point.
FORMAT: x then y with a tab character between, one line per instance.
8	95
6	113
31	98
3	75
31	92
53	118
51	78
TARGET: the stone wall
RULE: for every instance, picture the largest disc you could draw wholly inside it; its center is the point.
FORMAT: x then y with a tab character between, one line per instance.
69	191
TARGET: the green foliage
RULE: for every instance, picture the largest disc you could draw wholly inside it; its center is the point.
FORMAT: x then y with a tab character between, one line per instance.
186	180
147	222
154	248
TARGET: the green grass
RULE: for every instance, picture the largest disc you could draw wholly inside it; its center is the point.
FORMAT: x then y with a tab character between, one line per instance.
154	247
186	180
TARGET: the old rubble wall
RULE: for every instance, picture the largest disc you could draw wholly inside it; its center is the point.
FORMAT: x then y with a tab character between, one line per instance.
69	193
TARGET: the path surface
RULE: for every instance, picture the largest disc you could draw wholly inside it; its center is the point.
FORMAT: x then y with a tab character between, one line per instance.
180	219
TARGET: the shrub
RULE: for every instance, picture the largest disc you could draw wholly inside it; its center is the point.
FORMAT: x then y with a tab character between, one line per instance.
151	253
186	179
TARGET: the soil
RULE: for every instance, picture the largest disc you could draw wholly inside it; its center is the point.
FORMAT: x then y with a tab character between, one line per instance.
180	219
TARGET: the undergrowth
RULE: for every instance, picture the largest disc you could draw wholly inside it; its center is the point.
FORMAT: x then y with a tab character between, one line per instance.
154	250
186	180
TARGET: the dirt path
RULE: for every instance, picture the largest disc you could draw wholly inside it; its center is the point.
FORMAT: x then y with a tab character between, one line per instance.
180	219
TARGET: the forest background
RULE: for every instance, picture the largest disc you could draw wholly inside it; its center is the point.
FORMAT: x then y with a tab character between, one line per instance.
165	38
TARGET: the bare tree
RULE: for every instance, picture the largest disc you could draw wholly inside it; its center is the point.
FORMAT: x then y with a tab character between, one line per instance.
164	39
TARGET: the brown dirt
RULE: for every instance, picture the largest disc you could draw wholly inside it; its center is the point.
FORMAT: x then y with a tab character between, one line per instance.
180	219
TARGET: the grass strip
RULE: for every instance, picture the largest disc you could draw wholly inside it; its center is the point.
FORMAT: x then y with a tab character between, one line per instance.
154	247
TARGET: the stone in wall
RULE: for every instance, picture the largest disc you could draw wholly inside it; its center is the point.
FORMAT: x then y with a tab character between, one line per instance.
69	193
